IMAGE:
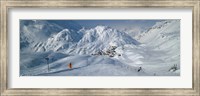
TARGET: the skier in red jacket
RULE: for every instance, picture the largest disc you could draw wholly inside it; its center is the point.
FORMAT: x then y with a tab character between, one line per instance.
70	65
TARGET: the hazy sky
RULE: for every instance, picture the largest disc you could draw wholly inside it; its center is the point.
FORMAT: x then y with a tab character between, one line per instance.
135	25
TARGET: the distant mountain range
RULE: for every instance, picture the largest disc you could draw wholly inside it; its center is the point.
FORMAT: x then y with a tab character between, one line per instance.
71	38
42	36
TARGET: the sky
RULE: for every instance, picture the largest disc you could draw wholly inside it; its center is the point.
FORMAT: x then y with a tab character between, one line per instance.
134	25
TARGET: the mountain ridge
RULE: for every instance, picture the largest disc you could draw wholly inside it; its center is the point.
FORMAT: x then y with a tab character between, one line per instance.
93	40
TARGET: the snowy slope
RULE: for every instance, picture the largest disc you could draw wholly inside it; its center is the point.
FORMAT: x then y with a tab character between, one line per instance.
155	53
163	36
87	65
164	32
154	62
133	31
83	65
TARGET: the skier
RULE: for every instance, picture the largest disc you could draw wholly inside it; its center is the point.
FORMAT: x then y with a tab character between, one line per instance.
70	65
140	68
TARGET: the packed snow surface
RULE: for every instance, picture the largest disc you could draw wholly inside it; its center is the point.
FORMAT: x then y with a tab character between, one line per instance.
99	51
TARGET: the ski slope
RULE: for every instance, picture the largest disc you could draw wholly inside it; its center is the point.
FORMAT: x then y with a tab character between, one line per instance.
154	52
127	64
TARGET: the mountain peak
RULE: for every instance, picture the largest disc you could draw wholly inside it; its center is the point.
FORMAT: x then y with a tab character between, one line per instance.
101	27
67	35
63	34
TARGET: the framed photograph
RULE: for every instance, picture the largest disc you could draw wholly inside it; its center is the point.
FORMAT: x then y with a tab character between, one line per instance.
121	47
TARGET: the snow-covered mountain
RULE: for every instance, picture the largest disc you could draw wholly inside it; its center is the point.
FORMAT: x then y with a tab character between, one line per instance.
101	38
34	31
164	34
133	31
154	52
59	42
85	41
